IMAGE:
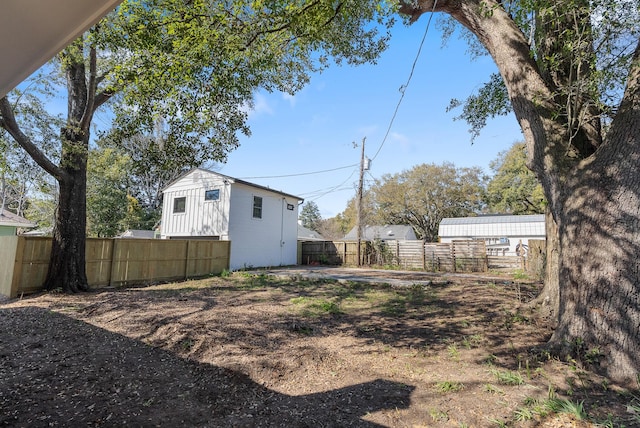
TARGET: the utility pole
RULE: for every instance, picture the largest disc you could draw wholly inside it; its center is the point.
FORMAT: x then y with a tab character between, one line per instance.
359	204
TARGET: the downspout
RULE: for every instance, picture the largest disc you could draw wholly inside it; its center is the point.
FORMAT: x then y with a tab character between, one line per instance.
282	230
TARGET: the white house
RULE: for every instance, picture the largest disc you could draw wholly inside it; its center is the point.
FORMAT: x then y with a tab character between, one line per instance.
504	235
261	223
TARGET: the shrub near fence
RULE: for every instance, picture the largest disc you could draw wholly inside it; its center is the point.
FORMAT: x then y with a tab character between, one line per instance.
111	262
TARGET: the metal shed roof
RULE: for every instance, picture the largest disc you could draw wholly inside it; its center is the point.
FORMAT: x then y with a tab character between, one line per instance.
492	226
490	219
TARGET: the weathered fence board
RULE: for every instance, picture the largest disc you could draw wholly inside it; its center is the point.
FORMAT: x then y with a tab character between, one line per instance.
112	261
456	256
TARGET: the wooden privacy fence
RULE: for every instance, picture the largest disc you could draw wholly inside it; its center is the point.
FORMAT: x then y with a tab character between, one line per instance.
458	256
111	262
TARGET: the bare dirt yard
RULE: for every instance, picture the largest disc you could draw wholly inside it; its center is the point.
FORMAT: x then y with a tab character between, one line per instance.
253	350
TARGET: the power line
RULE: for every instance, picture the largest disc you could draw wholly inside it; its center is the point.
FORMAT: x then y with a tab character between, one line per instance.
332	189
301	173
404	87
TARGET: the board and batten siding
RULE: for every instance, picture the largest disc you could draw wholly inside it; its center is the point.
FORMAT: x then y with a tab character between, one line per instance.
267	241
255	242
201	218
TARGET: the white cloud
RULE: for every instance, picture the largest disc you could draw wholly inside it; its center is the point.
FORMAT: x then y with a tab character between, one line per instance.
401	140
260	106
291	99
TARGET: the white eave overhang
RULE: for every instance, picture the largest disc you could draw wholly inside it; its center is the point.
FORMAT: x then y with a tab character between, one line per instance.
34	31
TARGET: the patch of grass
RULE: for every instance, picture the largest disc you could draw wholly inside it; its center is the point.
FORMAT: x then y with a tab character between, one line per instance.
520	274
498	423
511	318
561	405
472	341
549	406
490	360
491	389
523	414
453	352
448	386
438	415
313	307
506	377
186	344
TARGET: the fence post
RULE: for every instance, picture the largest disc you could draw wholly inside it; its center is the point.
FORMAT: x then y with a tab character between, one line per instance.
453	256
186	260
17	268
114	261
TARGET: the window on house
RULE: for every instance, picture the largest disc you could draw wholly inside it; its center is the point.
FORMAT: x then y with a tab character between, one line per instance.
257	207
180	204
212	195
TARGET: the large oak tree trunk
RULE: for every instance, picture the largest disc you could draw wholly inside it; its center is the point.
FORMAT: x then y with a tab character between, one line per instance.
67	269
599	229
67	265
548	301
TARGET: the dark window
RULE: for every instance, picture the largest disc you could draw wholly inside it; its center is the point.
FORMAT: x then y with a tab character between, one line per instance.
212	195
180	204
257	207
290	207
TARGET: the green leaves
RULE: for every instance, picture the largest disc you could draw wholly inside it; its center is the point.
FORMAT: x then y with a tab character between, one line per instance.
514	188
310	216
490	101
198	63
427	193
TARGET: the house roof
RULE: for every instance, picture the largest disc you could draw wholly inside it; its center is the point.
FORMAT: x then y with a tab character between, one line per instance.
233	180
7	218
386	232
492	226
137	234
305	234
495	218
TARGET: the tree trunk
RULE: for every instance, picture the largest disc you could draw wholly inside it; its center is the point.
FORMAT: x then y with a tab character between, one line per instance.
67	269
600	250
548	300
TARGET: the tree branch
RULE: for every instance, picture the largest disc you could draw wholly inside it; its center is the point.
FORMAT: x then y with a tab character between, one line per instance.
628	115
85	121
8	122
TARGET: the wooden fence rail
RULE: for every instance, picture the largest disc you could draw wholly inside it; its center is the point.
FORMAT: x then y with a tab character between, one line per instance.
458	256
111	262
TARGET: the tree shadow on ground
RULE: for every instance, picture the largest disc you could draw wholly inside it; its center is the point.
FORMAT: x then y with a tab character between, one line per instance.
58	371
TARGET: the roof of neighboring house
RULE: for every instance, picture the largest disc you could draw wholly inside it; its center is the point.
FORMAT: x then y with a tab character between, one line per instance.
387	232
232	181
305	234
137	234
46	231
7	218
32	32
495	218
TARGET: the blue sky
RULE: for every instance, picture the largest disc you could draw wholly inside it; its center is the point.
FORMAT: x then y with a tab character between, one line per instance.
315	129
